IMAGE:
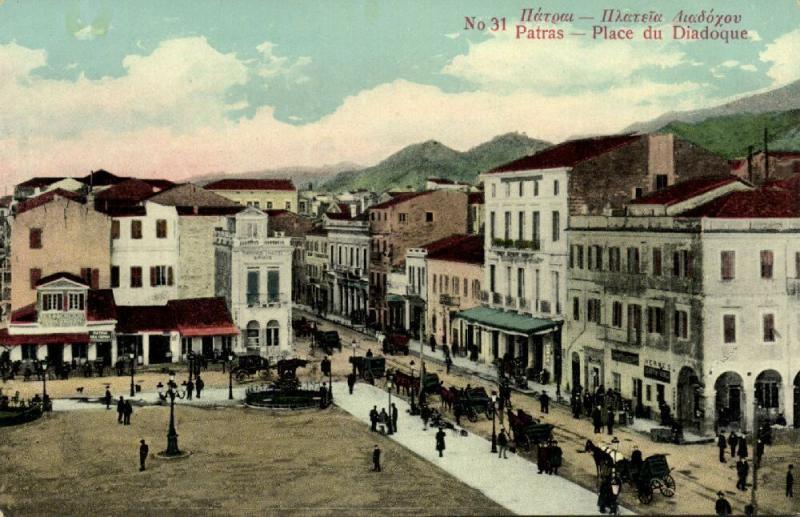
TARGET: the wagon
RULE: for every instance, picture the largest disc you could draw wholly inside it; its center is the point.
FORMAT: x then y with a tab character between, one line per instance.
250	365
473	402
396	344
655	475
328	340
369	368
527	432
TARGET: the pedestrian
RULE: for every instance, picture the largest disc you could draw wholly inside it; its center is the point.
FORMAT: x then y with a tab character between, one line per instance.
759	450
457	413
376	459
789	481
610	421
373	419
556	457
448	363
597	420
544	402
742	447
394	418
733	441
502	442
440	441
742	469
143	451
605	496
351	382
128	411
120	409
369	353
323	396
722	444
189	389
107	398
542	458
722	506
198	386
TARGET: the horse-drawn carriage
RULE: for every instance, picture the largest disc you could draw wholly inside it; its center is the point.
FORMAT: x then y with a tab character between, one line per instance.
651	474
303	327
654	475
327	340
250	365
472	402
396	343
369	368
527	432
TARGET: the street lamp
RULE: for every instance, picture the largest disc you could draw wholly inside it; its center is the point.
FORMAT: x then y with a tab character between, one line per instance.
494	430
230	376
190	358
44	383
172	434
389	386
413	410
354	345
132	357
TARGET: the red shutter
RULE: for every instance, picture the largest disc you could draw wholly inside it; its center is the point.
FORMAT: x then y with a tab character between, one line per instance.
36	274
152	276
95	278
170	277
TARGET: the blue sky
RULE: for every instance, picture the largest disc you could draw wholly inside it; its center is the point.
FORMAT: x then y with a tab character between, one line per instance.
188	87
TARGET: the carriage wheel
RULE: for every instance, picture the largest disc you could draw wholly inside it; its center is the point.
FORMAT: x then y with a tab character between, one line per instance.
527	443
241	376
646	495
489	412
668	487
472	416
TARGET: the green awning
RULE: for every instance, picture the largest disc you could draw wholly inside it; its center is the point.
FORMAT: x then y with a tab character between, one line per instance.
395	298
509	321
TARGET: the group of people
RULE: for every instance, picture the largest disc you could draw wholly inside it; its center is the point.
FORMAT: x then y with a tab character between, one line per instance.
601	406
124	409
388	420
549	457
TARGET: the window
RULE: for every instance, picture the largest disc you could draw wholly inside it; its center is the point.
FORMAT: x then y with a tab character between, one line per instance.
36	275
29	352
769	327
555	187
52	302
402	217
649	393
273	333
476	289
616	314
614	259
136	276
434	283
637	192
35	238
269	205
161	276
115	229
508	189
595	261
635	324
655	320
535	188
253	335
428	217
75	301
617	381
288	205
491	226
797	264
114	276
593	310
579	256
253	281
136	229
535	227
161	229
521	225
766	264
661	181
729	328
466	287
682	264
456	286
656	261
521	282
681	324
521	188
507	228
273	285
494	190
576	309
767	389
556	226
728	265
633	261
492	278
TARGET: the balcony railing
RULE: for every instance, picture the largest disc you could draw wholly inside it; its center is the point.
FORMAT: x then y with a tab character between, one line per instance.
413	290
449	300
518	244
267	300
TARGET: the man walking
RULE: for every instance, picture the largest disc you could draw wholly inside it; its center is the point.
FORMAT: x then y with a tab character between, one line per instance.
596	420
610	421
742	469
440	441
127	412
394	418
120	409
502	442
198	386
544	402
722	506
743	447
722	444
432	343
789	481
351	382
144	450
376	459
107	398
733	441
373	419
189	390
448	363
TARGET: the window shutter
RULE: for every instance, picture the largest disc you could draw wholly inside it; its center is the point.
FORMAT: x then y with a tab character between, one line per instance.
36	275
64	301
95	278
170	277
152	276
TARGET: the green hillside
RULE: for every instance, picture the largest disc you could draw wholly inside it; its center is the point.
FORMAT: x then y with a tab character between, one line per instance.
730	135
411	166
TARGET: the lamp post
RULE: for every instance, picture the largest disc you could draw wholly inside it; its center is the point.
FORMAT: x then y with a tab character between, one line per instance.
354	345
132	358
190	358
172	434
44	383
494	430
389	386
230	376
413	409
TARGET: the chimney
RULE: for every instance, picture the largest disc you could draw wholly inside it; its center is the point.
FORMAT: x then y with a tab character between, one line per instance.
766	156
750	163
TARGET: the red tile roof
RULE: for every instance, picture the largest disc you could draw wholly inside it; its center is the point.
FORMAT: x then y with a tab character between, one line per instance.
568	154
26	314
399	197
43	199
130	191
764	202
100	305
686	190
144	318
202	317
42	339
457	248
251	184
40	181
61	274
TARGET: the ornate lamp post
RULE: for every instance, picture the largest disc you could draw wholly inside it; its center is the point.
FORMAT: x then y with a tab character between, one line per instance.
43	364
132	357
414	410
190	358
390	386
172	434
494	429
230	376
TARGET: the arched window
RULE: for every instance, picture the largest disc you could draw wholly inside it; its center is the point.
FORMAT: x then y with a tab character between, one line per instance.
253	332
273	333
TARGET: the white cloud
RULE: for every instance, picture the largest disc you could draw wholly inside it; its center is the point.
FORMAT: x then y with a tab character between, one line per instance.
754	35
784	58
749	68
273	65
731	63
453	35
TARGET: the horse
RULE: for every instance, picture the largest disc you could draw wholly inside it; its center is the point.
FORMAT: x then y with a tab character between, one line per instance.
603	461
448	396
405	381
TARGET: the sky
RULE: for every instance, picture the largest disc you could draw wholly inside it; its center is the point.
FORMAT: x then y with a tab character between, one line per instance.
182	88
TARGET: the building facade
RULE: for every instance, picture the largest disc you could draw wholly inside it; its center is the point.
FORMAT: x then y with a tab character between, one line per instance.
316	272
268	194
348	265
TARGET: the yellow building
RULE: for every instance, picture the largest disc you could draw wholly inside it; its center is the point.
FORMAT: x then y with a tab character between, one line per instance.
269	194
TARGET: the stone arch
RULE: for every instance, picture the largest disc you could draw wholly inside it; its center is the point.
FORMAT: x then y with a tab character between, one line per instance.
273	333
729	400
690	397
253	334
768	395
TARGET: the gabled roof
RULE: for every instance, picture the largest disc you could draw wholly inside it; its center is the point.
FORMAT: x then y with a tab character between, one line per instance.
43	199
101	178
568	154
686	190
100	305
457	248
131	191
761	203
40	181
56	276
202	317
251	184
397	198
190	195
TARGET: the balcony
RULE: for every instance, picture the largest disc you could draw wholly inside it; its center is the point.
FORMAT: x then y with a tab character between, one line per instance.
267	300
511	302
497	299
413	290
449	300
519	244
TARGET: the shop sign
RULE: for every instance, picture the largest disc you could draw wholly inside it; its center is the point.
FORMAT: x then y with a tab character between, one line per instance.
658	374
625	357
99	336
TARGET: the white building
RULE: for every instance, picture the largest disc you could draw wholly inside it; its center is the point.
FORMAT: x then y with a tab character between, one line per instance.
348	265
254	274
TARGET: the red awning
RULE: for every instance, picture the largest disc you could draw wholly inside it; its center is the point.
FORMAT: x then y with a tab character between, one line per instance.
42	339
224	330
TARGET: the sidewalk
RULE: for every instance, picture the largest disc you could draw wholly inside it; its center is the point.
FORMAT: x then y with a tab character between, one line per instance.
512	483
210	397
